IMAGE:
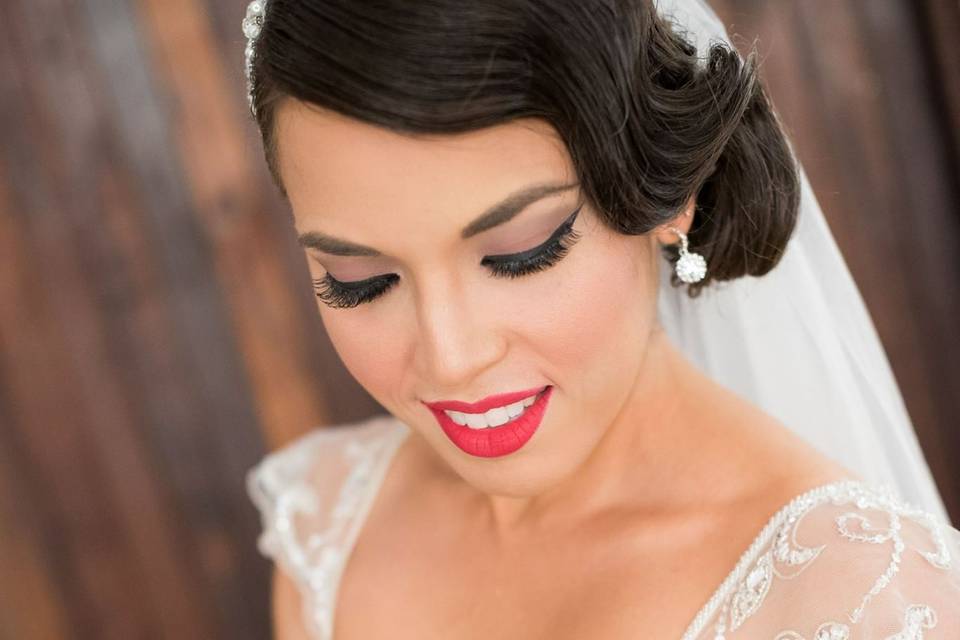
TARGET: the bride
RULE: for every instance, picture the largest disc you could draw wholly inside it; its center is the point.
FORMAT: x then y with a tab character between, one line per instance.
632	391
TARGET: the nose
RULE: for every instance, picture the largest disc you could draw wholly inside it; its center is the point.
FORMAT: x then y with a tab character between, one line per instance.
458	337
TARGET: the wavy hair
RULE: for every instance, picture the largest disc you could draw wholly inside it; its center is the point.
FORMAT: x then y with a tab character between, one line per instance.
646	122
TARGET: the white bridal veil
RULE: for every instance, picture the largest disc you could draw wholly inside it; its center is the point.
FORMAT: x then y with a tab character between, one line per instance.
799	342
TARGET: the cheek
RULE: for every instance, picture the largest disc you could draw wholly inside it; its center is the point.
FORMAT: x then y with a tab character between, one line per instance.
371	352
593	329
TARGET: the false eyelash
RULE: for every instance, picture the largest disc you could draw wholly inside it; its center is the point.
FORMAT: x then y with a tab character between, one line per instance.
343	295
543	257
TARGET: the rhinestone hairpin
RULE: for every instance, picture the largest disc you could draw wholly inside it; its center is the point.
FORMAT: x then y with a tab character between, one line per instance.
252	23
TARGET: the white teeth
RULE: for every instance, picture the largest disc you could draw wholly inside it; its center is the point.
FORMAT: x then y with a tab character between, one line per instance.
476	420
496	416
492	418
515	409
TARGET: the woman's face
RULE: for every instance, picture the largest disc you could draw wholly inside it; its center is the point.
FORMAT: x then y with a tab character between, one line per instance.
448	324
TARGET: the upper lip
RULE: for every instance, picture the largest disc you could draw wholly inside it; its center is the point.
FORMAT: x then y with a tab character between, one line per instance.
485	404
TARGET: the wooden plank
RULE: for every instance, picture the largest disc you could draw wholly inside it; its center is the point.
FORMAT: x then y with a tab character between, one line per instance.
126	573
31	602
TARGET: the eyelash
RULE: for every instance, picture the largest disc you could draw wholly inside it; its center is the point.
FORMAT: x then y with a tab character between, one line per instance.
343	295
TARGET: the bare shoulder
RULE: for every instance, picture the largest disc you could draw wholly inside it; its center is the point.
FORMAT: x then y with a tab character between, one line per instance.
764	462
792	466
287	607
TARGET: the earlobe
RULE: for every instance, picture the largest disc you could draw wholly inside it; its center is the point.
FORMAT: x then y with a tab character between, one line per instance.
681	221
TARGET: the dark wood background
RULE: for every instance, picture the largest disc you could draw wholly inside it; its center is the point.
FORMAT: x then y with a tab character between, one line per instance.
158	332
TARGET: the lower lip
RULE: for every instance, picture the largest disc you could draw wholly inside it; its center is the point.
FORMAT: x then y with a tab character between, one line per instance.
493	442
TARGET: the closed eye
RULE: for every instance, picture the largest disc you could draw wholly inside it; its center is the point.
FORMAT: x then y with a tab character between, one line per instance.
541	257
338	294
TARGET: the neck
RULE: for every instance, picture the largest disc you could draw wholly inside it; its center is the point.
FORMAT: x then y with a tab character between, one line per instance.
643	460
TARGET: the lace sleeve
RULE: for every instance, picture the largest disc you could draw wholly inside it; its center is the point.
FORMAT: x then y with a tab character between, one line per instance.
309	494
861	564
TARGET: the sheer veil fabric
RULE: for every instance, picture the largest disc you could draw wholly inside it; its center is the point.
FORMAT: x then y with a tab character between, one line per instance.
799	342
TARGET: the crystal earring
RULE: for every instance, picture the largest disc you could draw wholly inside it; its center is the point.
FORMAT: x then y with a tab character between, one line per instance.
690	267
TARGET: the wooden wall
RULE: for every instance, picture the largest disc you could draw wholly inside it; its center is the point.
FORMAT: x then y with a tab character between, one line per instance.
158	332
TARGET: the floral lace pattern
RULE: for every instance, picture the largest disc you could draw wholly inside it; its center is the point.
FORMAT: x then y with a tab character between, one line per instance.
776	554
311	520
314	495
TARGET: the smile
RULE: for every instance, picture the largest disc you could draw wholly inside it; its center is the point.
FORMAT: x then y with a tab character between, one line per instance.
493	427
492	418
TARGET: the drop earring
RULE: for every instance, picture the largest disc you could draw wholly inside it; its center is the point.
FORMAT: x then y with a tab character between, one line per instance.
690	267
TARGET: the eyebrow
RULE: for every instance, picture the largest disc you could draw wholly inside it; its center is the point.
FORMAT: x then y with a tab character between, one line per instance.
498	214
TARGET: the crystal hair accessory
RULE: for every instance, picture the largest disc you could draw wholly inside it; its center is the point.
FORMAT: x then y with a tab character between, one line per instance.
691	267
252	23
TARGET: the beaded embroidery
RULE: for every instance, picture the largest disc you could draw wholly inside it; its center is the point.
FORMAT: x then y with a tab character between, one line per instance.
285	497
740	597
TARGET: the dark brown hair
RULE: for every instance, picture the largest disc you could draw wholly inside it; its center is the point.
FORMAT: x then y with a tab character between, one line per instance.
647	124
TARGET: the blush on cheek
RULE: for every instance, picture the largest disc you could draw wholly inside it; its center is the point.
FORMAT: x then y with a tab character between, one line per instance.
594	332
370	351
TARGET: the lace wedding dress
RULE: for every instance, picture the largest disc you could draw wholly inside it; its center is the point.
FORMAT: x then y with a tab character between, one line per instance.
843	560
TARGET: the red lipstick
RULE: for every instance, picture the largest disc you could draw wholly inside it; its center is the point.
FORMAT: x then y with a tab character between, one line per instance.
497	441
500	400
